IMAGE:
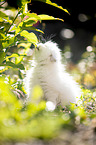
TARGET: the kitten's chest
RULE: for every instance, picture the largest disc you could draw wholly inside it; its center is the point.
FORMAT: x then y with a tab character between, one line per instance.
47	73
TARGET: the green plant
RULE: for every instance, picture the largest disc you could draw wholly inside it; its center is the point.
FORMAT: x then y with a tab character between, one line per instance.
14	31
14	34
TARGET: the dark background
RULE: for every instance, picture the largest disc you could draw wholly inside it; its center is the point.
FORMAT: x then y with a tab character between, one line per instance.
81	21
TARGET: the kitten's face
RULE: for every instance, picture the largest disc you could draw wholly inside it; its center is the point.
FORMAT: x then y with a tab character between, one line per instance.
47	52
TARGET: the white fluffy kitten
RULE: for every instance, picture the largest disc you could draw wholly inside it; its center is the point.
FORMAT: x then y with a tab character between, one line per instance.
48	72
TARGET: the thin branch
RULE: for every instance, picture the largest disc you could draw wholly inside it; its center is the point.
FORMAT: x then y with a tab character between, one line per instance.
2	3
13	21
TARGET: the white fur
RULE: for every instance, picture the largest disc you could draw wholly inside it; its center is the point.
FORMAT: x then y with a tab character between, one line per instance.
48	72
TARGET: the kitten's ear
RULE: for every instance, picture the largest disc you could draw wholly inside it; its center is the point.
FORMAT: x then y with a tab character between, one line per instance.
52	58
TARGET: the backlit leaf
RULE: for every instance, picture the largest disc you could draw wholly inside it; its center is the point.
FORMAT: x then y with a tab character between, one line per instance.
54	4
2	55
32	16
10	41
47	17
13	65
31	37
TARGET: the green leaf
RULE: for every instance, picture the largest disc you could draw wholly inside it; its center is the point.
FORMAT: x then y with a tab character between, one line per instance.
30	22
13	65
1	19
18	29
13	27
4	16
2	36
32	16
3	69
13	55
10	41
18	58
31	37
5	25
54	4
2	55
47	17
32	28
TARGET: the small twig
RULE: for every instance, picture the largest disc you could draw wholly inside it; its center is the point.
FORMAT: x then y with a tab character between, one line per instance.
2	3
13	21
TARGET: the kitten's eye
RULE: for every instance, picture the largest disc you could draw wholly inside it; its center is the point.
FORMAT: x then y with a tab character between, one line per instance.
52	58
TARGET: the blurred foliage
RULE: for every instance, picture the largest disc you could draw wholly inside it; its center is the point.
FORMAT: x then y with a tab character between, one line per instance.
85	71
12	31
23	121
16	41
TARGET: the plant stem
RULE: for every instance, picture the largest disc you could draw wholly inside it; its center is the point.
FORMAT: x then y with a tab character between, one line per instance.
13	21
2	3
